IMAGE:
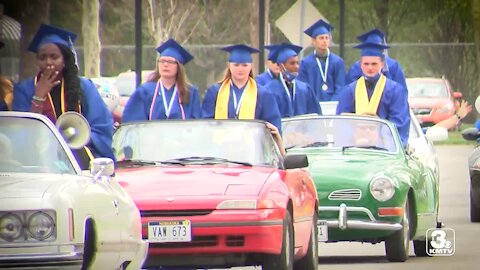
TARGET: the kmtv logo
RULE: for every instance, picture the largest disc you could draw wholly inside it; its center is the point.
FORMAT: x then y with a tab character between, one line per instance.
441	242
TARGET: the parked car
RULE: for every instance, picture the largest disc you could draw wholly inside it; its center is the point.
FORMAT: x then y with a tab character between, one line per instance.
473	134
369	188
126	85
431	99
53	215
421	142
218	193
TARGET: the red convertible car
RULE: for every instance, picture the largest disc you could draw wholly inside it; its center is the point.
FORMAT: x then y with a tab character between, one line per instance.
218	193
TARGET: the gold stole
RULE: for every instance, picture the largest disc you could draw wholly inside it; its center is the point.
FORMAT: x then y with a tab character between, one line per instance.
362	104
249	100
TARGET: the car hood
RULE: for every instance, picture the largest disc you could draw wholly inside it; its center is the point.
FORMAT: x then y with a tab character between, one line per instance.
149	185
32	185
427	102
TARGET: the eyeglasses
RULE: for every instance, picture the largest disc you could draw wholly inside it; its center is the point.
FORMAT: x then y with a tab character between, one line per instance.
168	62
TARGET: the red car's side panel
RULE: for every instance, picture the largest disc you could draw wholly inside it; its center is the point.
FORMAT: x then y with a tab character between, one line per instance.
303	194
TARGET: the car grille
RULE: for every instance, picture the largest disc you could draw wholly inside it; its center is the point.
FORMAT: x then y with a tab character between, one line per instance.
197	241
176	213
345	194
203	241
421	111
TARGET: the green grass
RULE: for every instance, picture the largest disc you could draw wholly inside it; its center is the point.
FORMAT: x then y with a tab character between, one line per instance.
455	137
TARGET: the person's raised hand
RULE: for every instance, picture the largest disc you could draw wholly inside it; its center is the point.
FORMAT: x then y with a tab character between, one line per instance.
48	79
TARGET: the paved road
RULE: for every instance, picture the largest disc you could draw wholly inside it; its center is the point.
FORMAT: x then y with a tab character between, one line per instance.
454	212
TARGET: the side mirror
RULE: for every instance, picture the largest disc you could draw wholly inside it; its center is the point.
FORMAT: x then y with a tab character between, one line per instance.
102	167
295	161
470	134
457	95
436	134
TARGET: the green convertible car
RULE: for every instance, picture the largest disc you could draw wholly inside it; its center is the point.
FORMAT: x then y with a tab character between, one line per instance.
370	188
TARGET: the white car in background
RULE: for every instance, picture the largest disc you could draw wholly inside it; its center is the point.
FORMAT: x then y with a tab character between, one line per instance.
52	214
422	143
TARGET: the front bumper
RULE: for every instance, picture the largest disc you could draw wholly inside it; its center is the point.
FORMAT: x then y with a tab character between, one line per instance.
220	239
343	222
51	257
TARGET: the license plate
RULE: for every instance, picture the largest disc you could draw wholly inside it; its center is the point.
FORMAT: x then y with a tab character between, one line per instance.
170	231
322	231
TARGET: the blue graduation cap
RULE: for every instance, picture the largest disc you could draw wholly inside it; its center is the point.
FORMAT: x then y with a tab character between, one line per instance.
320	27
372	49
373	36
240	53
173	49
286	51
51	34
271	52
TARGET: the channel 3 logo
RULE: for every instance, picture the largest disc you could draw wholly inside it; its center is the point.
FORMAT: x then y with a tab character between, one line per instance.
441	242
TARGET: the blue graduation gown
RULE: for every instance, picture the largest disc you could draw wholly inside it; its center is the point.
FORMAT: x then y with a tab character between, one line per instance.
3	106
309	73
266	108
139	104
93	109
304	102
264	78
392	71
393	106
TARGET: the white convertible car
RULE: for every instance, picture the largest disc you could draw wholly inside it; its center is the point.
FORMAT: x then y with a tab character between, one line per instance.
52	214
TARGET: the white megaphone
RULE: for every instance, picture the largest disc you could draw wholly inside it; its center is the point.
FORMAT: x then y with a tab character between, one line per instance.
74	129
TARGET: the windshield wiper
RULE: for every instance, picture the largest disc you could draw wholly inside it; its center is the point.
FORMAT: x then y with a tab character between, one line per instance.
364	147
138	162
207	160
315	144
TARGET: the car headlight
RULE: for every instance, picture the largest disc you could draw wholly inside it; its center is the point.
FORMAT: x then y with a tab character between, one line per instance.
10	227
382	188
238	204
40	226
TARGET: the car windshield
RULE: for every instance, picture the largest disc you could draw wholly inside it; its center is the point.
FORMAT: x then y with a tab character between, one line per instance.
427	89
339	132
28	145
197	141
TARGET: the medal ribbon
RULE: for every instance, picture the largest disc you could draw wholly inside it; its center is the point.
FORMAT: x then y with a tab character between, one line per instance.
323	74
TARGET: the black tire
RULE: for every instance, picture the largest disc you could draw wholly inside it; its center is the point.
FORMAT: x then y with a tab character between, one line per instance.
89	245
283	261
397	245
474	211
310	260
420	247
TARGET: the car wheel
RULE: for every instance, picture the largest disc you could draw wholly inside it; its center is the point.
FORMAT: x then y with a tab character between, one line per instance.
474	211
284	260
420	247
89	245
310	260
397	245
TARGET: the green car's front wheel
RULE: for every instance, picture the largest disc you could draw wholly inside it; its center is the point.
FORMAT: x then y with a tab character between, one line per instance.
397	245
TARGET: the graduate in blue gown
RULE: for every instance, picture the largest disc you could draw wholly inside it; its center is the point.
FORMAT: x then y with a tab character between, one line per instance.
238	96
375	94
323	70
166	94
392	69
272	68
6	89
57	88
293	97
